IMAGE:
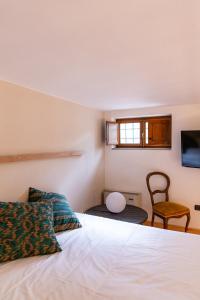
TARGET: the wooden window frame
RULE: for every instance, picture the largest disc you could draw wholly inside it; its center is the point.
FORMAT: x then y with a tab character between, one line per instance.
142	121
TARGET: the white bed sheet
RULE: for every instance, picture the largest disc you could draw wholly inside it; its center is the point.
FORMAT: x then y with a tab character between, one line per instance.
108	259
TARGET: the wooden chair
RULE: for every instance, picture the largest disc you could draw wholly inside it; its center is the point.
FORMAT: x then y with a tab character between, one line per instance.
165	209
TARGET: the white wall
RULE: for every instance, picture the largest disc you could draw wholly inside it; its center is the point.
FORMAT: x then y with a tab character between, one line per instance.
34	122
127	169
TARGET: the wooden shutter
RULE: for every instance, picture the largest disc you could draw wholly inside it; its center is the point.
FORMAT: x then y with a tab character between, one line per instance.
158	132
111	133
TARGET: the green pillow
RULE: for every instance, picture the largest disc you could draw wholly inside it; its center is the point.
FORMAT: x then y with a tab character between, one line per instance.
26	229
64	217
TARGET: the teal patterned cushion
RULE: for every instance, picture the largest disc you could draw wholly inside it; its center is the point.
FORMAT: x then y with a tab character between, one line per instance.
64	217
26	229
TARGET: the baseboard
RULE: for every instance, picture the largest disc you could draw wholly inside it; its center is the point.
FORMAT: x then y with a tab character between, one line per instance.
174	227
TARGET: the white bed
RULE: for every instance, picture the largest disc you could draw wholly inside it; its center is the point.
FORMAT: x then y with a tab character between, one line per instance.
108	259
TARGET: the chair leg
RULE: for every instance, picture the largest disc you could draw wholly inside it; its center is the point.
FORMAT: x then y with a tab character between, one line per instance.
187	222
152	220
165	222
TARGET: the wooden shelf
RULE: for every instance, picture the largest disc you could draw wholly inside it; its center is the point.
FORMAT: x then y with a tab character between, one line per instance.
38	156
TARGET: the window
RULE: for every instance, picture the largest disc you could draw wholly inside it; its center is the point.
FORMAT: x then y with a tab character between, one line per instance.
148	132
129	133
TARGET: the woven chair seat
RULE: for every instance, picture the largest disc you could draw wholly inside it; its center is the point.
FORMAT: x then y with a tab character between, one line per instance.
170	209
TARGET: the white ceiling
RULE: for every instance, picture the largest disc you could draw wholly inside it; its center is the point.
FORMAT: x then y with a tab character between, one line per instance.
108	54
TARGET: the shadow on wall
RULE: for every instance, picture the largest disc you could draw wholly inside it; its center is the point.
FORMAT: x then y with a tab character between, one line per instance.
80	179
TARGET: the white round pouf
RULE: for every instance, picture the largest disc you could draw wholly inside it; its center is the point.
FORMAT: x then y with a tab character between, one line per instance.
115	202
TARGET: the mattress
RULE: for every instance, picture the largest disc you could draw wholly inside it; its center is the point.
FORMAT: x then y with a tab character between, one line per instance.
108	259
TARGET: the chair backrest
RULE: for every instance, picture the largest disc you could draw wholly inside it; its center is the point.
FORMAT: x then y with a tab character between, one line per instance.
162	191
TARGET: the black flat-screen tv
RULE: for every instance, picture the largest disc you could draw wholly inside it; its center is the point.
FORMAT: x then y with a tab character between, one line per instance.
190	144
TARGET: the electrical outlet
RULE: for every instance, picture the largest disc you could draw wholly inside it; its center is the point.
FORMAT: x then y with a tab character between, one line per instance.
197	207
